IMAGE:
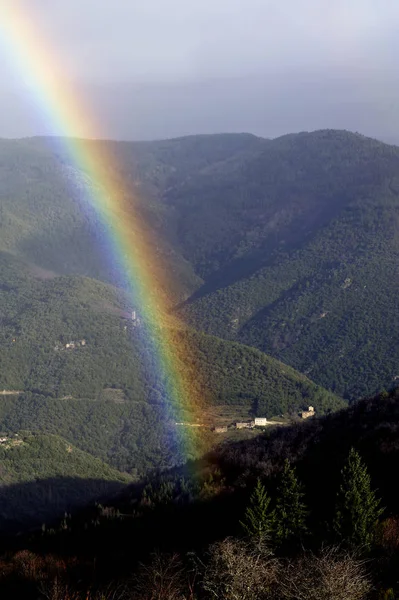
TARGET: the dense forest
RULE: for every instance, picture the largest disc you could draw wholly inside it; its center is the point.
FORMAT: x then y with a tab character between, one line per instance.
72	337
306	269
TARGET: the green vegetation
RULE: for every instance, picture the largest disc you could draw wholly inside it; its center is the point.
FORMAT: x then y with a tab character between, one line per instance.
258	520
27	457
358	508
286	246
106	397
291	512
133	437
235	374
40	317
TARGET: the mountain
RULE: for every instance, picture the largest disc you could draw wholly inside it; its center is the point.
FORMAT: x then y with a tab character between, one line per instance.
298	249
43	476
288	245
46	220
74	336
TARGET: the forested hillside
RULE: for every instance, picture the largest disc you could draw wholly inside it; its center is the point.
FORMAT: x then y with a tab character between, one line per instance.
80	367
289	245
47	220
74	337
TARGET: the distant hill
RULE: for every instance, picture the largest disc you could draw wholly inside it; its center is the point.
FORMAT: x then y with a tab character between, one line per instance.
42	476
45	218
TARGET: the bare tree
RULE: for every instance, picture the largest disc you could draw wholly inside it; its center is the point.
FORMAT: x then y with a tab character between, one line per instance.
59	590
333	575
163	579
239	570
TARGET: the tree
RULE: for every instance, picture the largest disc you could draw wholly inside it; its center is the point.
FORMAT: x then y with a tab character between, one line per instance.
162	579
237	570
258	520
331	575
358	509
387	595
290	512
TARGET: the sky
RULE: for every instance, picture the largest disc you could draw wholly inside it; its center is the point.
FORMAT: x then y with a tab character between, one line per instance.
164	68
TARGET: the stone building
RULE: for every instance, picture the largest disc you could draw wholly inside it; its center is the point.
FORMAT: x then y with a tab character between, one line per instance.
245	425
220	429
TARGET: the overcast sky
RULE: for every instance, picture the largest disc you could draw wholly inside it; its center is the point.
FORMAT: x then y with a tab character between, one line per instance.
156	68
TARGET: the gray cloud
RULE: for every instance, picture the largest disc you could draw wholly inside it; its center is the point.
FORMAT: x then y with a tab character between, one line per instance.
188	38
168	67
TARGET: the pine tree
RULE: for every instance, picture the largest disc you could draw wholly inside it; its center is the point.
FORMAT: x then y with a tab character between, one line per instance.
290	512
358	509
258	519
387	595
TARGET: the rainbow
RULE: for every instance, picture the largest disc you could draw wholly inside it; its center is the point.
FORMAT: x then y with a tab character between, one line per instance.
132	242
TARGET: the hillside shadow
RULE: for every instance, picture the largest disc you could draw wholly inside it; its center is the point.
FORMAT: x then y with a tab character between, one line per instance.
161	513
288	240
118	533
63	251
27	506
258	319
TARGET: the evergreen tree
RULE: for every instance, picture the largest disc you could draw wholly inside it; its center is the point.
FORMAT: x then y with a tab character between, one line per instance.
358	509
258	519
387	595
290	512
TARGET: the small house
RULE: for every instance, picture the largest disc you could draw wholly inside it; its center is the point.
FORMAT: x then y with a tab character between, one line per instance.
260	422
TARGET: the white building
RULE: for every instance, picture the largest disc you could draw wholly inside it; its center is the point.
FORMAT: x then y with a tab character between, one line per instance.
260	422
308	413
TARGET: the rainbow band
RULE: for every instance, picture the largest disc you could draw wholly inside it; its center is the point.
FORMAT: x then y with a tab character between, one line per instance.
130	237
